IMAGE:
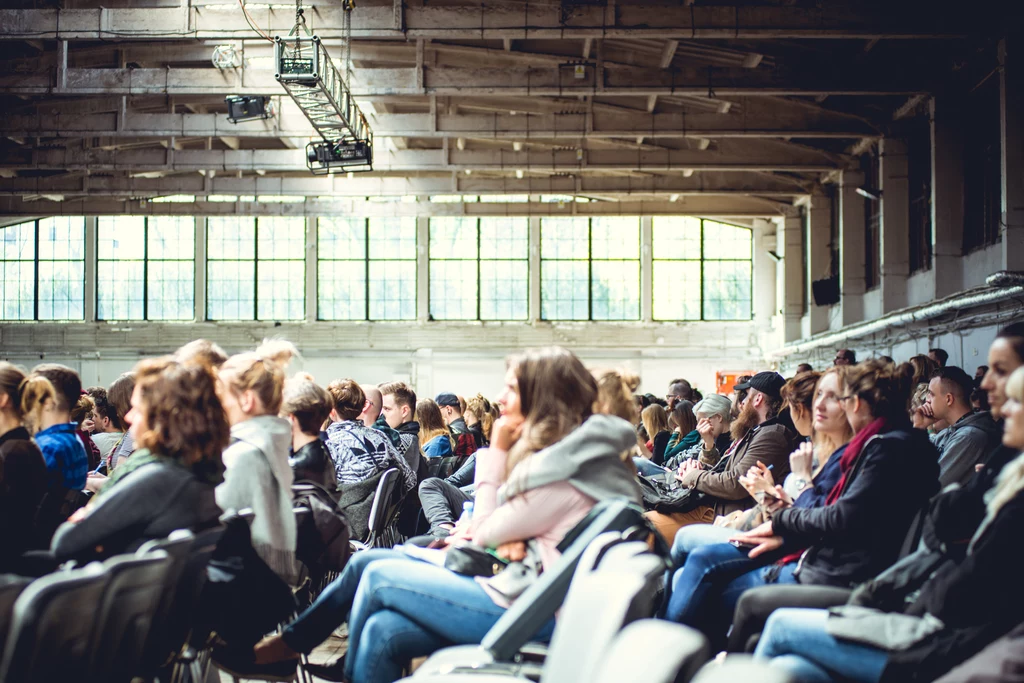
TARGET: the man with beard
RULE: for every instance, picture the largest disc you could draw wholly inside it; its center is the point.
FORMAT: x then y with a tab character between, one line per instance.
762	433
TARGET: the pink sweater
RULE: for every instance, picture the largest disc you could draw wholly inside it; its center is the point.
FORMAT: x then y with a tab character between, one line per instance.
546	513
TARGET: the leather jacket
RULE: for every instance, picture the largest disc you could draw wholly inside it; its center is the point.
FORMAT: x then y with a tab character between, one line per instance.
313	463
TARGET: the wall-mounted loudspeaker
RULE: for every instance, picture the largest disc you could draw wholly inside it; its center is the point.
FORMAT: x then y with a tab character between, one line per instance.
826	292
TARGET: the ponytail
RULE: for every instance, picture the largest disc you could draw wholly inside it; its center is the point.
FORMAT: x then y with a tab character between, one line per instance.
35	391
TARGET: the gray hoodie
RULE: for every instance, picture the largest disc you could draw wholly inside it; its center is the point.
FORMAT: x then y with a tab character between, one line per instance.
258	476
962	445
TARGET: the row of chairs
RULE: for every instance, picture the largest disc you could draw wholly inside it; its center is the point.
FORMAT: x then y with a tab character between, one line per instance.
107	622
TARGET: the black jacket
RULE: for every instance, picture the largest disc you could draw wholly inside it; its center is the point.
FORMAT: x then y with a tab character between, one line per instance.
23	483
313	463
979	599
861	534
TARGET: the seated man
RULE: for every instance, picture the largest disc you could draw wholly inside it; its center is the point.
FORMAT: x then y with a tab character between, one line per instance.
451	411
970	435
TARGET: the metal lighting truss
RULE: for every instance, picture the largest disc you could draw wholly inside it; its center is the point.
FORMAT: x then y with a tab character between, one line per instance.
307	73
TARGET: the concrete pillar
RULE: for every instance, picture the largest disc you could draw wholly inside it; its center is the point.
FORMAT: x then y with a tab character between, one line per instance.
764	273
820	252
312	283
200	271
851	248
791	245
534	245
947	196
646	269
1011	126
895	224
91	246
422	269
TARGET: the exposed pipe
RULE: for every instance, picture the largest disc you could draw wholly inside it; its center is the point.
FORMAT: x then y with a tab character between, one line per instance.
914	315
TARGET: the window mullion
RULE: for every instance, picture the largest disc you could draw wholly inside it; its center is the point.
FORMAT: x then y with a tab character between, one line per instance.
256	267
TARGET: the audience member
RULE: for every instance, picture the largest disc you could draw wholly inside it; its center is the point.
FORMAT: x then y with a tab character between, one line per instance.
480	416
202	352
107	429
738	396
120	395
306	405
684	435
678	390
82	414
435	439
924	367
373	407
358	451
451	411
180	428
887	359
713	417
57	436
563	461
845	357
970	436
939	356
979	374
656	423
23	474
979	400
761	434
399	412
804	367
258	475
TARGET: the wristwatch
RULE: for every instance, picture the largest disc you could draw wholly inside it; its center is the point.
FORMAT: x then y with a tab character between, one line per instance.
801	484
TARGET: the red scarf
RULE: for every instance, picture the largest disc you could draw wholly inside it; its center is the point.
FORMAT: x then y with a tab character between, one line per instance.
846	462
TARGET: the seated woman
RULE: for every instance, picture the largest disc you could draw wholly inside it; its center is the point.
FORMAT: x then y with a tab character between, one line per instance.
559	460
703	552
480	416
435	439
179	427
306	405
655	421
713	415
959	609
685	436
258	475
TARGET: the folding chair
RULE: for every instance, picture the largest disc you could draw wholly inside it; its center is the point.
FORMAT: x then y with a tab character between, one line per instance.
381	512
679	651
11	586
177	545
738	668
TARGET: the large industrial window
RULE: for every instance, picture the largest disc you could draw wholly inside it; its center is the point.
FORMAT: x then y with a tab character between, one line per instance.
43	268
479	268
256	268
392	264
919	180
872	218
982	180
341	270
145	268
590	268
702	269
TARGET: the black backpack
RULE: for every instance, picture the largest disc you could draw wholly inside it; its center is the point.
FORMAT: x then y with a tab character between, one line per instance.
324	534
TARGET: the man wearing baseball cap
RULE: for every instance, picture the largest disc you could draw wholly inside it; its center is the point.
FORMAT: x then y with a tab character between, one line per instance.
762	433
451	411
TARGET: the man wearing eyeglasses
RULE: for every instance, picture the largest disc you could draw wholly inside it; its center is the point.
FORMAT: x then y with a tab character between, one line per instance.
678	390
845	357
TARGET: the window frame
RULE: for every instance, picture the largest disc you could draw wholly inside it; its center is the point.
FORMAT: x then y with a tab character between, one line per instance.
35	230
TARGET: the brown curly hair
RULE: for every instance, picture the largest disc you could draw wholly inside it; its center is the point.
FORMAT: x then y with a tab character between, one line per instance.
183	418
882	386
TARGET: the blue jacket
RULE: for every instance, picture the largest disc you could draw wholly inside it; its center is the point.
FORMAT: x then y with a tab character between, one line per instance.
438	447
63	452
823	482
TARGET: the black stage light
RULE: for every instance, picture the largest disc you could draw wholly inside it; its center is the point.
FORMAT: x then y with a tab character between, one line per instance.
248	107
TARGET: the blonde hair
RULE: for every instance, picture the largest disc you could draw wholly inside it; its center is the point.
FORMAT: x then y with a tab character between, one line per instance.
615	389
428	415
823	446
278	350
1015	385
655	420
27	393
485	411
252	372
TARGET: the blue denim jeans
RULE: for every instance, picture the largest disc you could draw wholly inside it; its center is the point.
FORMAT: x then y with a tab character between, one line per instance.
797	641
648	468
397	608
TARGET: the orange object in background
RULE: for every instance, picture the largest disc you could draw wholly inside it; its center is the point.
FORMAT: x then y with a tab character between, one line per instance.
725	380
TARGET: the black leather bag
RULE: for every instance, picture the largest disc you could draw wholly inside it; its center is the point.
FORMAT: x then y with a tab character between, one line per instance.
472	560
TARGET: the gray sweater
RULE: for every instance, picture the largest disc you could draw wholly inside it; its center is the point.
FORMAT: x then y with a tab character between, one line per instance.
963	444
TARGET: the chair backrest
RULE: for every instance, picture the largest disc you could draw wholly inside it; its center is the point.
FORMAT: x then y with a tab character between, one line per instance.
11	587
678	652
177	545
600	603
382	501
740	668
52	627
541	600
125	614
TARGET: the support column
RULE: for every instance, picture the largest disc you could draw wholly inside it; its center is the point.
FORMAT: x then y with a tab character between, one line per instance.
1011	126
791	245
91	247
534	253
200	274
312	282
819	264
895	224
422	269
851	248
646	269
947	196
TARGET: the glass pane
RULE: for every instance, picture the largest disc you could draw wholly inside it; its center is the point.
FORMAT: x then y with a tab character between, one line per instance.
281	237
504	290
171	291
727	290
341	238
676	290
453	238
676	237
17	242
119	290
121	237
563	290
230	292
564	238
17	289
615	237
392	290
61	289
393	237
342	290
172	237
62	238
280	293
504	238
231	237
723	241
453	290
616	290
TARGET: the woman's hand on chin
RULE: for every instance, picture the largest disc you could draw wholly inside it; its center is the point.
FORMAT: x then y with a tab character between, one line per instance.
507	431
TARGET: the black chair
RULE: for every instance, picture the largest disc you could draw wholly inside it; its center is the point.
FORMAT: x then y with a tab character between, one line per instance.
129	603
178	546
11	586
53	626
383	512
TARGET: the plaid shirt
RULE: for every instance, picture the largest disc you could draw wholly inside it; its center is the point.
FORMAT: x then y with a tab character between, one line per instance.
359	452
